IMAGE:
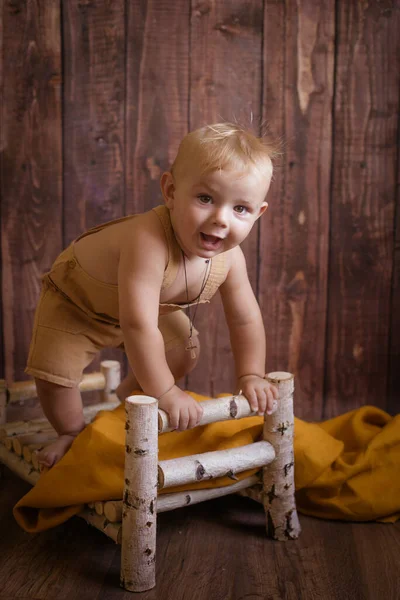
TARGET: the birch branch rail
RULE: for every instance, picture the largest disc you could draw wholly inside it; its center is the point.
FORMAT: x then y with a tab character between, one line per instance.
217	409
209	465
107	380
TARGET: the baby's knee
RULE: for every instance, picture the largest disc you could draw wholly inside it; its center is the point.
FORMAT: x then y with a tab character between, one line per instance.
47	389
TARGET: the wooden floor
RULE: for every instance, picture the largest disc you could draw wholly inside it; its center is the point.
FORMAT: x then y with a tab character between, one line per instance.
213	551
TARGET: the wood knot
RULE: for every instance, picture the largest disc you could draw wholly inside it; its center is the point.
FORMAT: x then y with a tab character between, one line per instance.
200	471
201	9
233	408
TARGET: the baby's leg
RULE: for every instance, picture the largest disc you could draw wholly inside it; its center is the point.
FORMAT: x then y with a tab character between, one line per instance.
63	408
179	361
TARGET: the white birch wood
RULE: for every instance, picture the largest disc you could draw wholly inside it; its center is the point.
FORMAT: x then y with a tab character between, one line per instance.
167	502
140	494
99	507
217	409
109	378
19	441
29	454
37	425
34	459
112	530
22	427
209	465
8	443
278	478
18	466
111	370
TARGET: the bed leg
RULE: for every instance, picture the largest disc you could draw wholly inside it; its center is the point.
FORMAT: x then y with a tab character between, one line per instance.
278	477
111	370
139	508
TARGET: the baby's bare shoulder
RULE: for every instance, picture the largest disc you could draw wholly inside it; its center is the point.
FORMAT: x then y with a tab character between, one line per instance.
143	244
143	228
234	256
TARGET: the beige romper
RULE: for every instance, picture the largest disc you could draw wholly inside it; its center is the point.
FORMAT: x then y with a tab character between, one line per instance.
77	315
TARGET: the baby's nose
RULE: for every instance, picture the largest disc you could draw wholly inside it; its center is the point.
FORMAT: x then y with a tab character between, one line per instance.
221	217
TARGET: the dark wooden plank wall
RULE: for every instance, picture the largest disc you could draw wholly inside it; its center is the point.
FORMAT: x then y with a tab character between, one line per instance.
97	96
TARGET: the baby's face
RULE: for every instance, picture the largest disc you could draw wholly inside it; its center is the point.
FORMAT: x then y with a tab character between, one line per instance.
214	212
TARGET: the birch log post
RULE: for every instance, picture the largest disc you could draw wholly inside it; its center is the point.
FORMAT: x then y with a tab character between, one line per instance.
278	478
111	370
139	513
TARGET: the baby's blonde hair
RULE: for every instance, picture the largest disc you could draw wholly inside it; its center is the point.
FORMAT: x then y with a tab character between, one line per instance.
225	146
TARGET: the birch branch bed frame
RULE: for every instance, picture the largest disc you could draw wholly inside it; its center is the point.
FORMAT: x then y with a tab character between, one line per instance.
131	521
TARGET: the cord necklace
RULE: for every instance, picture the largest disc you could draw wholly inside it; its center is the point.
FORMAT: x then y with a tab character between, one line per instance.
191	347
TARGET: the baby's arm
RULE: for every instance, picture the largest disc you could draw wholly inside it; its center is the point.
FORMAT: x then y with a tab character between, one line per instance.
247	336
143	257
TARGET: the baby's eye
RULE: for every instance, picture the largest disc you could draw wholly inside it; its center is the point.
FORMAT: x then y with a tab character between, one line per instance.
204	199
241	210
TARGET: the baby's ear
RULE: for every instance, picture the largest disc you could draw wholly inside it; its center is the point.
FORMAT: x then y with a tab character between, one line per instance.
263	208
168	188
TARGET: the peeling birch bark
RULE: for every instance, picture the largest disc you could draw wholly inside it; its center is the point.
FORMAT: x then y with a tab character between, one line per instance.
217	409
139	514
278	478
167	502
209	465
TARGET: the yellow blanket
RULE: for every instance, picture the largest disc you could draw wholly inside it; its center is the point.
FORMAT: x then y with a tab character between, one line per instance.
345	468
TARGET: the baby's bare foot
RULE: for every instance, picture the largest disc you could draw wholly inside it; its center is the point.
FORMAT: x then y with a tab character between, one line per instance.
51	454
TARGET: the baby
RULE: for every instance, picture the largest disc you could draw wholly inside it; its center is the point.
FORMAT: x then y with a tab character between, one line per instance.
128	283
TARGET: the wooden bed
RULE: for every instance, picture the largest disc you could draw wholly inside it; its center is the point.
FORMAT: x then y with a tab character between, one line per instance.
131	520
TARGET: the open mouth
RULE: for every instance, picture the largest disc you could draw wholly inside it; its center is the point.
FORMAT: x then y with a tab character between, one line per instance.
210	242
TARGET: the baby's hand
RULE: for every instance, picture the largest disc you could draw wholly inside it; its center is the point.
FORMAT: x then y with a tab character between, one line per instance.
183	411
261	394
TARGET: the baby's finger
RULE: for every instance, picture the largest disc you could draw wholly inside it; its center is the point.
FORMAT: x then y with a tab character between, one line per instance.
193	417
262	402
252	398
184	418
275	391
173	418
199	412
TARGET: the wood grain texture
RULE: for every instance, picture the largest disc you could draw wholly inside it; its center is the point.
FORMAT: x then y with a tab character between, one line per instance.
212	551
297	103
157	95
106	118
93	119
2	145
393	395
363	200
30	166
93	116
225	85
